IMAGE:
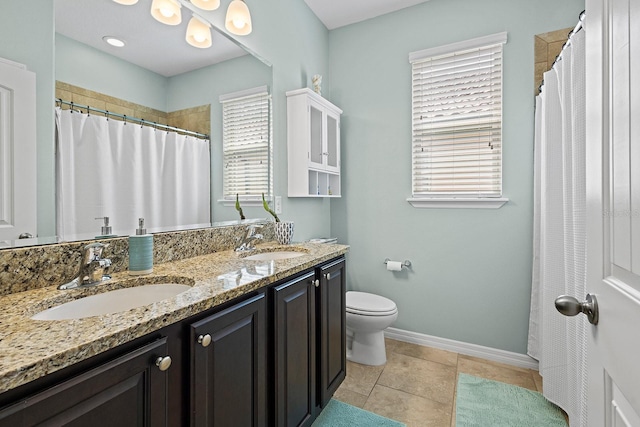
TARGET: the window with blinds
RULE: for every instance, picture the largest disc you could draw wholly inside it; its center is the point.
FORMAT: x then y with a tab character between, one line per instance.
246	135
457	119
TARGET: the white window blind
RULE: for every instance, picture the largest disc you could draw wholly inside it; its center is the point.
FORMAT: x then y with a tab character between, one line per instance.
246	134
457	119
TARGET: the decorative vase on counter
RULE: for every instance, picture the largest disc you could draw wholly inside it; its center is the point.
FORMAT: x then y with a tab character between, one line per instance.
284	232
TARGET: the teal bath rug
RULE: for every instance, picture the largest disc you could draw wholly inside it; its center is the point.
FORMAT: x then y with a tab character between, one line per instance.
338	414
481	403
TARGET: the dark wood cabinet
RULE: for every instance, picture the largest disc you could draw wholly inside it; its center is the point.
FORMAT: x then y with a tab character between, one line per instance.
331	318
295	351
309	352
228	376
130	390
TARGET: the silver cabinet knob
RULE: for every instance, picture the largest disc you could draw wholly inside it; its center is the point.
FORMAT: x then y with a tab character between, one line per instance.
317	283
328	276
163	363
570	306
205	340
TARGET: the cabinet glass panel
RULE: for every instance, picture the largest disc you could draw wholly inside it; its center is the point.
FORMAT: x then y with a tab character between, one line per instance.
315	146
332	141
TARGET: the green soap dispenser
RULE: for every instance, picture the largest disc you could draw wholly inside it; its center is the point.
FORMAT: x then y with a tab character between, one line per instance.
140	251
105	230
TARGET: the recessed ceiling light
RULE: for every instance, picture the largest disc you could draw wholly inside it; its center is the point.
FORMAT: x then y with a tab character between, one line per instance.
113	41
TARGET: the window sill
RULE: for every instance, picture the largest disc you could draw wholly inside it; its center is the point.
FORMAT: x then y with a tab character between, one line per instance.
244	202
458	203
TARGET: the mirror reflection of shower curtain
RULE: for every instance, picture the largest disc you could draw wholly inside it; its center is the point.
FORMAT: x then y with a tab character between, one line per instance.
559	262
127	171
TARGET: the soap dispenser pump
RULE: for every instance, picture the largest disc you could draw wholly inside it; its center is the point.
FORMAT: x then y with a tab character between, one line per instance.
105	230
140	251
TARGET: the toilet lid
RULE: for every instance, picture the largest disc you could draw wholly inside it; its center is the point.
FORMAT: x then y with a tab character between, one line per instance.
370	304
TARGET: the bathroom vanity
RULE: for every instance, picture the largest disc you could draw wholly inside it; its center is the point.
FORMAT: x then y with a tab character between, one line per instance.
252	343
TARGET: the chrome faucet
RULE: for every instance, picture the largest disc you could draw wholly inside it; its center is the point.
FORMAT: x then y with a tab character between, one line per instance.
249	238
92	267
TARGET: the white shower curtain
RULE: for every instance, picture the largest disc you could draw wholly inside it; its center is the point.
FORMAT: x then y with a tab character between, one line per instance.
127	171
559	263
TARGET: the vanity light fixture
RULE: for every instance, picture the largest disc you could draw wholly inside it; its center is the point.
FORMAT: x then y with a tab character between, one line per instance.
198	32
166	11
205	4
238	19
113	41
126	2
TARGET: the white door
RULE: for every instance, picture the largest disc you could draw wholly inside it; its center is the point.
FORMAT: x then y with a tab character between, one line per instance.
613	210
17	152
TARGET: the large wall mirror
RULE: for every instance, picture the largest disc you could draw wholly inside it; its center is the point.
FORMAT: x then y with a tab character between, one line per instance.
156	69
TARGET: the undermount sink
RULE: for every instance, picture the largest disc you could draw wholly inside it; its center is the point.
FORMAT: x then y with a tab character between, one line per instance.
112	301
269	256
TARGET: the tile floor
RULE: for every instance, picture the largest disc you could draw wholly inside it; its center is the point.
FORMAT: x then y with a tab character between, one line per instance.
417	385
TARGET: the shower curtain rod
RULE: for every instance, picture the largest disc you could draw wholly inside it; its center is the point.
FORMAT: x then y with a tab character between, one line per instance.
132	119
577	28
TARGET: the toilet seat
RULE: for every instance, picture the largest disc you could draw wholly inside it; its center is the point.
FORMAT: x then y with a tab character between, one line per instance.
366	304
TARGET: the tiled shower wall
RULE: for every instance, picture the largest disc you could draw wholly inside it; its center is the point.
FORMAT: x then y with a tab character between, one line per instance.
196	119
547	48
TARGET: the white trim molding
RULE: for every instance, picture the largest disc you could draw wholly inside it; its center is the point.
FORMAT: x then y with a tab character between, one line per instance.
455	202
494	354
498	38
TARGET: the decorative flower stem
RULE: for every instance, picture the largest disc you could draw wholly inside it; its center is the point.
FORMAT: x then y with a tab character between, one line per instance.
238	208
268	209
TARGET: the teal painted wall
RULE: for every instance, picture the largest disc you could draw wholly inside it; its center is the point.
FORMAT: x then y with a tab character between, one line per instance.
471	268
27	37
84	66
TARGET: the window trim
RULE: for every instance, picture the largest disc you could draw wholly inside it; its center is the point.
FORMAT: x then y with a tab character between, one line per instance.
453	200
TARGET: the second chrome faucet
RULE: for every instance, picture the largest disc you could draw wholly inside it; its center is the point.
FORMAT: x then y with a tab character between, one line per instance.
249	239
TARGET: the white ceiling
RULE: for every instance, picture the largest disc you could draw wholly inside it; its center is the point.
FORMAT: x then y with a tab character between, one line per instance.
163	49
157	47
338	13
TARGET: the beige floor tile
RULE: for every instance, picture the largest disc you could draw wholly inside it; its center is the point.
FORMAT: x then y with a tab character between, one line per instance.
493	371
390	345
426	353
361	378
423	378
414	411
537	379
350	397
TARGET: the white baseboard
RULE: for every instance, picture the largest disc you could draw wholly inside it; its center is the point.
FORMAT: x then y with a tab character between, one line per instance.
494	354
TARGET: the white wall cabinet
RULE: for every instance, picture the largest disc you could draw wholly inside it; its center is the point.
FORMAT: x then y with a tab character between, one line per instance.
313	145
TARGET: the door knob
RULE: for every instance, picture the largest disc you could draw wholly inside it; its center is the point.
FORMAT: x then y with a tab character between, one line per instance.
570	306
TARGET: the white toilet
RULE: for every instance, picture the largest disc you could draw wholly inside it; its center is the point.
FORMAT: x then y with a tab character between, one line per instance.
367	316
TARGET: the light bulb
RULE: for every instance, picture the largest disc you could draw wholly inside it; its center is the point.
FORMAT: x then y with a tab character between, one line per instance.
126	2
166	11
239	23
198	32
238	20
206	4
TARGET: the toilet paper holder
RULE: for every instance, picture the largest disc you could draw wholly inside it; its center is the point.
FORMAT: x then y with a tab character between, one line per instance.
405	263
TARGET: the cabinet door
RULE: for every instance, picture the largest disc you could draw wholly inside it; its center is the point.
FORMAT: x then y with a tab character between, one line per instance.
128	391
228	377
332	329
316	136
333	143
295	355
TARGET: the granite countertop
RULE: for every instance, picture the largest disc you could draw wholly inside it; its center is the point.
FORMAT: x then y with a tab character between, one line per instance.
30	349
